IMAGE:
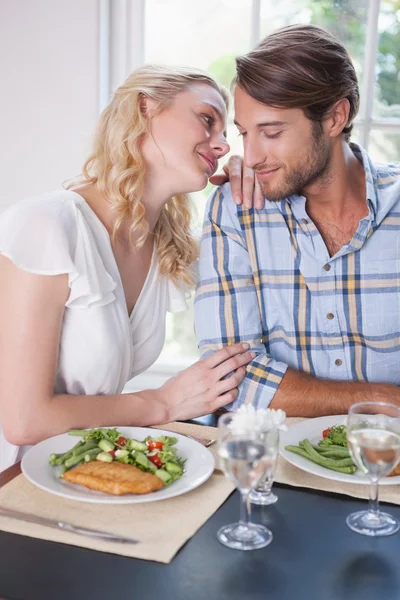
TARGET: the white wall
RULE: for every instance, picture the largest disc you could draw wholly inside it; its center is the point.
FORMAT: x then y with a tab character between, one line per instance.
48	92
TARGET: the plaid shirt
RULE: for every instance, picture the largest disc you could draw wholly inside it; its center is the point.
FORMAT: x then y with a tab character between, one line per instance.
266	278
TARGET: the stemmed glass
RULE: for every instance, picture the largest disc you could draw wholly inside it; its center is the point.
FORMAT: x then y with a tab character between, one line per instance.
245	456
373	434
263	494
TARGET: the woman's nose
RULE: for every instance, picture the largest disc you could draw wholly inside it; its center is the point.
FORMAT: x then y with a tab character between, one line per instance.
220	146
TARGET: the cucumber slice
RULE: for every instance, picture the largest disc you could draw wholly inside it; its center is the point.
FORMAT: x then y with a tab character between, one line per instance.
136	445
141	459
104	457
163	475
106	445
173	468
121	453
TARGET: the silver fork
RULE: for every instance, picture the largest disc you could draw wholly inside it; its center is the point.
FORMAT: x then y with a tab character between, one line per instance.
202	441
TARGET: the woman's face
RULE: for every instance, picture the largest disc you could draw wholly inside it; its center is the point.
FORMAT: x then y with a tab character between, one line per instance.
186	140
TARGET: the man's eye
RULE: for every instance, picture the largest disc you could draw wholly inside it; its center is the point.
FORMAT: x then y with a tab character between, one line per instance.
273	136
242	133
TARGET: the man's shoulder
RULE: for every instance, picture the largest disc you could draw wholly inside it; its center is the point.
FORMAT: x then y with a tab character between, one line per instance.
222	196
387	174
220	206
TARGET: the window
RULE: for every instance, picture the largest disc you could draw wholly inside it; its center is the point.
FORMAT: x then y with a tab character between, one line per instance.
209	34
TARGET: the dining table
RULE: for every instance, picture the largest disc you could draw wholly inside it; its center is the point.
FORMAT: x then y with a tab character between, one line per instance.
313	556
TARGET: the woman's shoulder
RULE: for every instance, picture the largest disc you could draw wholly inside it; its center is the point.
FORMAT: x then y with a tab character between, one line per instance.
55	207
39	234
49	235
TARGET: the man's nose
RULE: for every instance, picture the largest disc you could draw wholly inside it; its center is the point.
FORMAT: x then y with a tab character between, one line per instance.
253	154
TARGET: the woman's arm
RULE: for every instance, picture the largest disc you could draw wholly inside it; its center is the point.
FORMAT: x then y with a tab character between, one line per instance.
31	314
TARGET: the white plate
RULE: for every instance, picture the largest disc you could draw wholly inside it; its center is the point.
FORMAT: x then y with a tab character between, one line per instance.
35	466
312	430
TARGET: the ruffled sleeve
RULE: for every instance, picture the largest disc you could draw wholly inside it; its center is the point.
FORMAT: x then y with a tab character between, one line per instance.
48	235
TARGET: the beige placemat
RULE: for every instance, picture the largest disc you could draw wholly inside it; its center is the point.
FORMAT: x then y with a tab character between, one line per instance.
163	527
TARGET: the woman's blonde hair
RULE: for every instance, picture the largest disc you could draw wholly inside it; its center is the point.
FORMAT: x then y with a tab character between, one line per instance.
117	167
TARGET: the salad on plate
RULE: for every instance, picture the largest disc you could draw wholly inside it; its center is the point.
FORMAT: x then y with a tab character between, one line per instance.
123	460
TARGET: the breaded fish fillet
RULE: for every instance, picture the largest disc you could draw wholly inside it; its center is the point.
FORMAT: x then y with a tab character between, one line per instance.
114	478
395	472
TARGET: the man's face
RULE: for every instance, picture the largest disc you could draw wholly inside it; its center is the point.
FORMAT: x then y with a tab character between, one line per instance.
287	151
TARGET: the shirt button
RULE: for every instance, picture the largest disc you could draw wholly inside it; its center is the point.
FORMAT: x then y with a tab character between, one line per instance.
338	362
304	221
330	316
327	267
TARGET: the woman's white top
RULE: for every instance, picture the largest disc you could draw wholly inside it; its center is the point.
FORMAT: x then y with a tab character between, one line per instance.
101	346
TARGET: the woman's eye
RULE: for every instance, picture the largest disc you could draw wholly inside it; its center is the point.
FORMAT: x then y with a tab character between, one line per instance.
209	120
242	133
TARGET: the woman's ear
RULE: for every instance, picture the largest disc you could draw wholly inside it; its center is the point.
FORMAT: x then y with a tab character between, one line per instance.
148	106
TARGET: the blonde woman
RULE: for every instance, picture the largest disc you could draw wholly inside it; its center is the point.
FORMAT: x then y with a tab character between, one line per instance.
87	274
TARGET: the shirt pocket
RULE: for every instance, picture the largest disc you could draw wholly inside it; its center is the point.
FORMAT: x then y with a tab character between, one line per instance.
380	298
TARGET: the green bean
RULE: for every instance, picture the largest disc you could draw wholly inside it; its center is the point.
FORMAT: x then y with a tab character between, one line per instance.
55	456
335	453
84	448
74	460
68	454
345	462
80	432
332	447
91	454
62	471
297	450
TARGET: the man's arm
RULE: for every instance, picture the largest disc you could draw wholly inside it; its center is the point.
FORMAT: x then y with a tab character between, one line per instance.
226	307
226	312
301	395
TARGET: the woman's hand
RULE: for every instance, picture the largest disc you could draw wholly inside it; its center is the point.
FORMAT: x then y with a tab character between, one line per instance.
243	184
201	389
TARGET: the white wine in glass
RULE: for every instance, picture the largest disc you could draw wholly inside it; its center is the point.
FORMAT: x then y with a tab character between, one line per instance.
373	435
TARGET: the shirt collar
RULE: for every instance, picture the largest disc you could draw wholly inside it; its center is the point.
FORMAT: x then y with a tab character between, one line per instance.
370	178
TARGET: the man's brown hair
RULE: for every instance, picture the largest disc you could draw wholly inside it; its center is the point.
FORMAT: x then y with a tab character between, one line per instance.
300	66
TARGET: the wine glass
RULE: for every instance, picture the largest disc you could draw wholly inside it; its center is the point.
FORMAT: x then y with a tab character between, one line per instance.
373	435
245	456
263	494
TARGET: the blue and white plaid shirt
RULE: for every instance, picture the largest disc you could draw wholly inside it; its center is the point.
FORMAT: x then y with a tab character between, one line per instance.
266	278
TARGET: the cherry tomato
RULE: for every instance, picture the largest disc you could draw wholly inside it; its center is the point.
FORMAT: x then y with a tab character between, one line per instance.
156	460
326	432
153	445
121	441
112	452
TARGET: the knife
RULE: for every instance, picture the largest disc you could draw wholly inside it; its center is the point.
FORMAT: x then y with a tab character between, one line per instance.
110	537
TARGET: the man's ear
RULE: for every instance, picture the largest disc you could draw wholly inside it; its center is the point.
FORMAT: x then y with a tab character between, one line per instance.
148	106
338	117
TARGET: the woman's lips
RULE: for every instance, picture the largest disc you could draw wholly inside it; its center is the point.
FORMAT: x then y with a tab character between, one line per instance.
211	163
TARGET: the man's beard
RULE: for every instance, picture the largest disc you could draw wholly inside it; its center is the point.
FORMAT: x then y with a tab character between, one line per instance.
314	166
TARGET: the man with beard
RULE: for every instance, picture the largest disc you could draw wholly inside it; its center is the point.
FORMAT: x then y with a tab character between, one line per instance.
312	280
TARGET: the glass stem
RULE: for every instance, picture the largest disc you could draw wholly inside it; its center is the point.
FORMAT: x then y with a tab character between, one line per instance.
374	498
244	509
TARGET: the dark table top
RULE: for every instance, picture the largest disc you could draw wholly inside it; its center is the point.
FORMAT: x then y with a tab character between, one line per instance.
313	556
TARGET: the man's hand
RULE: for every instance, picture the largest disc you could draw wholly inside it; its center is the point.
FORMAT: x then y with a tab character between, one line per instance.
244	187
